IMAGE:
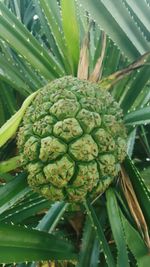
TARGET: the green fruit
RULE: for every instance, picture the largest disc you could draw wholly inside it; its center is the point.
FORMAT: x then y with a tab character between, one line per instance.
72	140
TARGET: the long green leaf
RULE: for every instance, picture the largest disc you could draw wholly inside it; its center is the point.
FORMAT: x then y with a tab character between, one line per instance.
136	244
52	15
12	192
10	74
144	137
117	229
113	17
30	207
14	68
138	117
50	220
10	127
135	88
8	98
9	165
71	32
45	28
19	38
146	174
19	244
131	142
8	103
111	58
24	210
141	10
142	192
28	74
101	237
2	112
90	247
25	11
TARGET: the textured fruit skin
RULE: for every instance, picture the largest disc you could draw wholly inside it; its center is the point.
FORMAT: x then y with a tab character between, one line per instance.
72	140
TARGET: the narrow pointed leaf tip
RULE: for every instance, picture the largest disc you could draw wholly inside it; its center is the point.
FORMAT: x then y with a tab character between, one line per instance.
11	126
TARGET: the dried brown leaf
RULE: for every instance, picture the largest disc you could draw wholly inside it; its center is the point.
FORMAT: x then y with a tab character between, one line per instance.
83	65
134	206
112	79
96	74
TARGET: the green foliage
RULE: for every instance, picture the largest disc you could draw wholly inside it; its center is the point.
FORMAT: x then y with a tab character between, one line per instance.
124	30
26	45
12	192
117	228
19	244
90	248
139	187
100	234
135	244
10	164
11	126
71	32
137	117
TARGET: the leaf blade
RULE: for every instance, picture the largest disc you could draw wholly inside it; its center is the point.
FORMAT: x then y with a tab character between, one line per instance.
10	127
18	37
139	187
71	31
94	220
90	247
135	243
13	191
123	30
138	117
117	228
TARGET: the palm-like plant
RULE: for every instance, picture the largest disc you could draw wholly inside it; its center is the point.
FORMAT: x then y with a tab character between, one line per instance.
115	227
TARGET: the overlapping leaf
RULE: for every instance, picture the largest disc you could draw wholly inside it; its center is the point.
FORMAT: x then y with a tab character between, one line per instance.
19	244
123	31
